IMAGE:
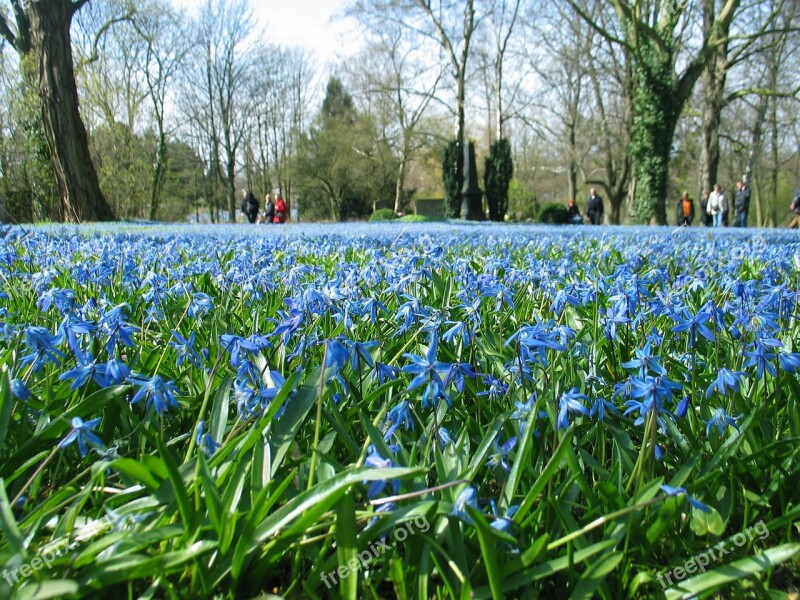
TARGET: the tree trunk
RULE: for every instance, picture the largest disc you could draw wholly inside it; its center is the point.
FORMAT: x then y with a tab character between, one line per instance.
399	192
713	102
159	171
81	198
657	109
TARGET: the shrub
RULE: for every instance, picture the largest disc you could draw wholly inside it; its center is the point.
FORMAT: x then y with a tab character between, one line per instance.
497	175
383	214
421	219
552	212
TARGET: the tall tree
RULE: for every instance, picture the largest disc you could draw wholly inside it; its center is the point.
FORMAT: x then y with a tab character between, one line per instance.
219	98
759	34
504	15
334	158
653	34
450	25
166	45
398	87
42	30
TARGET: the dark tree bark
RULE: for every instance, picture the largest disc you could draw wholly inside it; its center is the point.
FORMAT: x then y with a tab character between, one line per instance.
81	198
43	31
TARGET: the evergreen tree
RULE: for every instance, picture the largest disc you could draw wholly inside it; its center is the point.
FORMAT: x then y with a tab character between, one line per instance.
497	176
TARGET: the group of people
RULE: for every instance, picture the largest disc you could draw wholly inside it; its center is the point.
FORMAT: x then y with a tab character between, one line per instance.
715	207
274	212
594	209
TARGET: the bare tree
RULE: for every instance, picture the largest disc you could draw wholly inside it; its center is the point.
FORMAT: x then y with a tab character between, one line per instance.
218	96
166	45
393	76
450	26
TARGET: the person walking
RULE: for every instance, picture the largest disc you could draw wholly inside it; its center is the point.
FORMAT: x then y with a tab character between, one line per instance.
741	203
269	210
280	211
715	205
685	210
594	207
249	206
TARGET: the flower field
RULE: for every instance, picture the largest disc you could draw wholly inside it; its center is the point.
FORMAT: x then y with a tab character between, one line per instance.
412	411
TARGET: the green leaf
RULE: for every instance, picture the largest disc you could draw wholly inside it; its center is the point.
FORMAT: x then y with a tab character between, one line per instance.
488	547
283	431
211	494
219	411
745	567
346	545
8	523
6	402
41	590
181	496
322	494
137	472
549	471
704	523
594	575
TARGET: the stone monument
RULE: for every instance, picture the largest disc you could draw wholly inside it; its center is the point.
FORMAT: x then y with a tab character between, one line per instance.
471	194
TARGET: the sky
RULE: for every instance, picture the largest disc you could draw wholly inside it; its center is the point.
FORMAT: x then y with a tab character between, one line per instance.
306	23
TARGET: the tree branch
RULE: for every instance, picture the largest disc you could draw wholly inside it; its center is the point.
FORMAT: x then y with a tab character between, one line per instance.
758	91
596	26
6	32
128	16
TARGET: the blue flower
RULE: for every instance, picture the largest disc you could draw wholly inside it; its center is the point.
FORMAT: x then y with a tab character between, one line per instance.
726	379
467	497
616	315
761	359
238	347
645	362
19	389
459	329
292	321
375	460
673	491
360	352
500	456
428	372
83	433
113	372
599	407
789	361
81	375
158	392
72	329
683	407
120	333
497	389
186	350
503	523
204	440
400	414
721	420
458	373
386	372
274	384
200	305
42	347
694	324
570	402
